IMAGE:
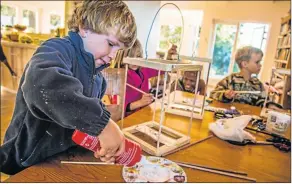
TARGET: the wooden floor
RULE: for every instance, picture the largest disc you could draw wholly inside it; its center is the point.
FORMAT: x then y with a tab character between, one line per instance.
7	107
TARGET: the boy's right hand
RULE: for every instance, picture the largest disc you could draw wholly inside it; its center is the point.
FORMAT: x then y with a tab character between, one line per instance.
112	142
229	94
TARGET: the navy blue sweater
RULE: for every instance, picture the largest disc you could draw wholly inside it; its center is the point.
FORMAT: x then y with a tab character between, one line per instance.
60	91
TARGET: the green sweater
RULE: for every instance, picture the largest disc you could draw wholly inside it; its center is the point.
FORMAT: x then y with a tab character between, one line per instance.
236	82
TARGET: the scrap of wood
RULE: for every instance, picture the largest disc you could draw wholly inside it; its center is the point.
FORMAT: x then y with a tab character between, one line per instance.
188	145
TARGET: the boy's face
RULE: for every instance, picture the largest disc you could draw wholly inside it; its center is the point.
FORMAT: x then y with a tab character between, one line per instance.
189	80
254	64
102	47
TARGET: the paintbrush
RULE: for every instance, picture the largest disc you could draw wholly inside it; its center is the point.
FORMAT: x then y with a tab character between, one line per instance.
240	92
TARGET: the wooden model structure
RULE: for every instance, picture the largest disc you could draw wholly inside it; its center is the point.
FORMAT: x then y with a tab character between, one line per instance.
189	104
166	139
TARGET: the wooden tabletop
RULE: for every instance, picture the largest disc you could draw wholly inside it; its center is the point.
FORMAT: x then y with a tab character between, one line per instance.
262	162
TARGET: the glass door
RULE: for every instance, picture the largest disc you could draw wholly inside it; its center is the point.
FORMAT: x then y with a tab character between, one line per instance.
254	34
228	37
224	41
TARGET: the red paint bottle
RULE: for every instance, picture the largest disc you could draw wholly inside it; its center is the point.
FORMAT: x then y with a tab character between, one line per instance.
131	155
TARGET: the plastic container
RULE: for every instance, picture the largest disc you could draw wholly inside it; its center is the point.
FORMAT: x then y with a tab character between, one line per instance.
130	157
277	122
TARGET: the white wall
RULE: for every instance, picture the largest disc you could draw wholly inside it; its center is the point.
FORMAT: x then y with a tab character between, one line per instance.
43	10
269	12
144	12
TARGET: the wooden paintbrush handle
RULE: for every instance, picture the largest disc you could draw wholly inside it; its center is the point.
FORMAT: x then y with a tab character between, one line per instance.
218	172
217	169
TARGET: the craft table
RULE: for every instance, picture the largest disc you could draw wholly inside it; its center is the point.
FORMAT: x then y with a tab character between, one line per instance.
262	162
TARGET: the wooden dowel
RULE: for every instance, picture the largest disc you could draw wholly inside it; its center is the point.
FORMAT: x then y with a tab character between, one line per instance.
217	169
187	145
218	172
263	143
139	90
239	92
87	163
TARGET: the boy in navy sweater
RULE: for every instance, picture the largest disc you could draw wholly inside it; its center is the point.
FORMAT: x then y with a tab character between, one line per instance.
62	87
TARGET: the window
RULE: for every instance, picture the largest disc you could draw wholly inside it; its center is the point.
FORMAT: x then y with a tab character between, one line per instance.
224	41
55	21
8	15
29	19
228	38
169	35
171	28
195	46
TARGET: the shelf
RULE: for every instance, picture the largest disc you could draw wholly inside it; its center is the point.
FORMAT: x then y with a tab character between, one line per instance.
284	34
281	61
286	19
282	71
279	75
284	47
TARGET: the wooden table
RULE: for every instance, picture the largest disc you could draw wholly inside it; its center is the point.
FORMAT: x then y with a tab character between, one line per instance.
265	163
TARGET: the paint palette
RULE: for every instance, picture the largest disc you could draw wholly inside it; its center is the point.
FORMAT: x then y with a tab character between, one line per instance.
154	169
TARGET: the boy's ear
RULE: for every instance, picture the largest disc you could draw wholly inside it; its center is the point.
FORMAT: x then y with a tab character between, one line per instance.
244	64
83	32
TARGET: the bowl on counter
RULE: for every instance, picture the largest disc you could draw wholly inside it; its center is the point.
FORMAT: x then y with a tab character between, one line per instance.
20	28
13	37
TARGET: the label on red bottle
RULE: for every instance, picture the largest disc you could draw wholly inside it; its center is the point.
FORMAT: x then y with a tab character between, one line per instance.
131	155
85	140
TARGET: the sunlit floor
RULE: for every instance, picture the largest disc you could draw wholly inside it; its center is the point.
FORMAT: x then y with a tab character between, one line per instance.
7	107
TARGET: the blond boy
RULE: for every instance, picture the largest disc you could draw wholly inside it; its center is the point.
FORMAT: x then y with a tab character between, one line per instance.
249	61
62	87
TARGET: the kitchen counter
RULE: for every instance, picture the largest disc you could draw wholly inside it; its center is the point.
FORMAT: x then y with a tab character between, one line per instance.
18	44
18	55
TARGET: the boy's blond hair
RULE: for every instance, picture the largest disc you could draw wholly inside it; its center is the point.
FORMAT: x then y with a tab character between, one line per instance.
102	17
244	54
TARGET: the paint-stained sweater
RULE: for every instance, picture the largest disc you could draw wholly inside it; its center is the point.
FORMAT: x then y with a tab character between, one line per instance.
59	92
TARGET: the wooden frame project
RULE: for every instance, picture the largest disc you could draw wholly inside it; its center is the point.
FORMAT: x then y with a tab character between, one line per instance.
154	137
168	138
195	109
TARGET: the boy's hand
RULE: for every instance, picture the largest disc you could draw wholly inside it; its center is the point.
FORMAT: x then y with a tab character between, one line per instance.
229	94
112	142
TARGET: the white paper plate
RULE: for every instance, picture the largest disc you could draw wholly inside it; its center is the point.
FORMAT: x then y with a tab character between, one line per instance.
154	169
